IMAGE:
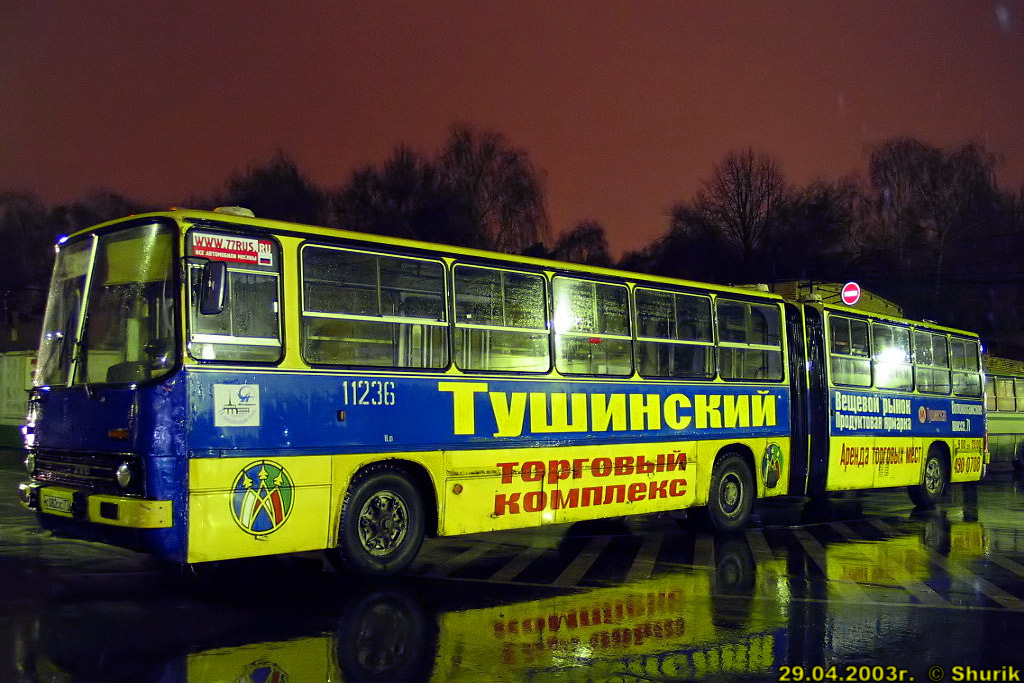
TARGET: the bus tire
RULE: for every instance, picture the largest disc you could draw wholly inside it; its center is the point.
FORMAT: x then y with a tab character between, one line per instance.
382	523
732	493
933	483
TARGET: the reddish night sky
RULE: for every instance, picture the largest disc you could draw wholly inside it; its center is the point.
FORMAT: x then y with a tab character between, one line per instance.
625	106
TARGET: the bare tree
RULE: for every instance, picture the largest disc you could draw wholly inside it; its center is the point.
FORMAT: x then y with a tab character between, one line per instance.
500	185
585	243
277	189
897	170
407	197
98	206
953	195
384	200
921	201
27	235
812	237
690	248
742	197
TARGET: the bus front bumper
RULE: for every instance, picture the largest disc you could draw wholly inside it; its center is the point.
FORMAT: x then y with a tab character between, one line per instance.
60	501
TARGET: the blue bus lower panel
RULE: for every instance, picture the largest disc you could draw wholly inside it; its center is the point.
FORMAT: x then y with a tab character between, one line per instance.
324	412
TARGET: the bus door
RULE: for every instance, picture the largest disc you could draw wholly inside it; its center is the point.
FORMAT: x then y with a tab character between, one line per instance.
818	413
799	441
810	415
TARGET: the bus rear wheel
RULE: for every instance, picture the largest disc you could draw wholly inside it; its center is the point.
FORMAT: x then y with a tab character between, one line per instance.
933	485
732	493
382	523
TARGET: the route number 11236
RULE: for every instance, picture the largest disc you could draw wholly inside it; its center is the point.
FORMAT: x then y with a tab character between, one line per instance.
363	392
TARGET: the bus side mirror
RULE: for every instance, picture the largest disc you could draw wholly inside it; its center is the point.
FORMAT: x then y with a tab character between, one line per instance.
214	293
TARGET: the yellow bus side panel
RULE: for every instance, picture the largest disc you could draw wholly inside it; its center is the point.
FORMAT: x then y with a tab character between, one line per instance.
968	458
488	490
849	463
862	462
246	507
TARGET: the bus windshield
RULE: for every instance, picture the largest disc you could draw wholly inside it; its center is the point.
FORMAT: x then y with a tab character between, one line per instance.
110	315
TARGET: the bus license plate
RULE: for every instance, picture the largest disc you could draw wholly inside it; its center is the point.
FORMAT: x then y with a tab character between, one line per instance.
57	502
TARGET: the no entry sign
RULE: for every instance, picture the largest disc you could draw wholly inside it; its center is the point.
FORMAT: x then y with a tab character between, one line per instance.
851	293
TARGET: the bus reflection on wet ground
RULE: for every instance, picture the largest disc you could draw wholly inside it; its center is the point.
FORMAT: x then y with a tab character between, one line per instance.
855	582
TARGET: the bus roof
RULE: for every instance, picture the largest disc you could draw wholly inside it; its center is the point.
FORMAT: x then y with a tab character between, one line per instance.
233	218
302	229
929	324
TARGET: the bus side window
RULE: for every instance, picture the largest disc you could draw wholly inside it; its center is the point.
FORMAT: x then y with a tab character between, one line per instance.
500	320
674	336
931	362
1003	397
849	358
368	309
750	342
891	357
966	365
591	321
248	328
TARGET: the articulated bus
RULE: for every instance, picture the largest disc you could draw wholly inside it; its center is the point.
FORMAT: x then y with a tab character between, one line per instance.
213	386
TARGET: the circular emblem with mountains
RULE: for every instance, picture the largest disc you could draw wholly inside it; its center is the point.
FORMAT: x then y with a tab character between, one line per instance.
771	465
262	497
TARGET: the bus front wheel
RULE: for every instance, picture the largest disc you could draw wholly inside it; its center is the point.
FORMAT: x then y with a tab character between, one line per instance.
382	523
732	493
933	485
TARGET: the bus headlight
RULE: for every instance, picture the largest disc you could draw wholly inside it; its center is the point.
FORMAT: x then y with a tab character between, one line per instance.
124	475
30	463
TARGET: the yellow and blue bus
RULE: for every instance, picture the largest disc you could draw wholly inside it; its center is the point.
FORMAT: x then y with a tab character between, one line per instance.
211	386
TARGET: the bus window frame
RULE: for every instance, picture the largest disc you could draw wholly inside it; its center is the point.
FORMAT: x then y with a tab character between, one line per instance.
1009	402
1018	393
190	312
918	364
689	343
455	325
178	281
874	351
630	335
781	348
447	299
849	356
975	371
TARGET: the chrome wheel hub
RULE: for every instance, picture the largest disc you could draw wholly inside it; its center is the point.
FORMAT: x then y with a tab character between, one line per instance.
383	523
731	494
933	476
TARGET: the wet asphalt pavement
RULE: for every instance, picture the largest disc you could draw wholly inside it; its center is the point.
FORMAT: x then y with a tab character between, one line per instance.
858	588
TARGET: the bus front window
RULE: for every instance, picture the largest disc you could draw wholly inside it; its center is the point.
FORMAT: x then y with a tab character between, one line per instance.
63	308
129	327
128	333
